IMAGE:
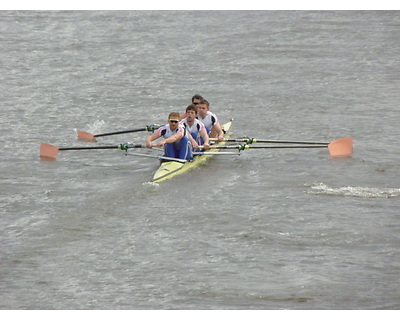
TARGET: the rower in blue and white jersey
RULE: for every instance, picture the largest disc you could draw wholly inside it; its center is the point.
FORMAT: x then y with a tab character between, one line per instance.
195	101
198	134
176	142
210	120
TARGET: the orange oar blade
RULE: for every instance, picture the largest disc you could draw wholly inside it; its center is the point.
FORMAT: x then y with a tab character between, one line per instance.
48	151
86	136
341	147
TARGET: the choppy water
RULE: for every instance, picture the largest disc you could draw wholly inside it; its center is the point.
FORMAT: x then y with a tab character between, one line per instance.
271	229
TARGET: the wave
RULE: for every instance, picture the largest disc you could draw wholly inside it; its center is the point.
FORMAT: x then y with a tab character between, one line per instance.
358	192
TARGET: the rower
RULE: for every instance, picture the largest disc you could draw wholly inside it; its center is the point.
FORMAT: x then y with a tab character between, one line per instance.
195	101
198	134
210	120
176	143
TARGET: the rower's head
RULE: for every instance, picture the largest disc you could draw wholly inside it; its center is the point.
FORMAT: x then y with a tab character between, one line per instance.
173	120
203	107
196	99
191	112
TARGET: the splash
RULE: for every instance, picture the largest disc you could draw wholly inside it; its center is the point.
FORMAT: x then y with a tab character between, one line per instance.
150	185
93	128
96	126
358	192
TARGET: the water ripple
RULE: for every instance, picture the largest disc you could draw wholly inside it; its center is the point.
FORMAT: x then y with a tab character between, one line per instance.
351	191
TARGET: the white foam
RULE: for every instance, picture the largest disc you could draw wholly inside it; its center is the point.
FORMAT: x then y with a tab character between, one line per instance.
351	191
96	126
93	128
150	185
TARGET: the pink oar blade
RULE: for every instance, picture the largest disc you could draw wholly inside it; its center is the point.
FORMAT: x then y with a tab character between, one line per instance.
86	136
48	151
341	147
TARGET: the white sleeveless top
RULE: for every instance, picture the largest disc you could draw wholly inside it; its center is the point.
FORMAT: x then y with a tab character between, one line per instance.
209	120
166	132
195	128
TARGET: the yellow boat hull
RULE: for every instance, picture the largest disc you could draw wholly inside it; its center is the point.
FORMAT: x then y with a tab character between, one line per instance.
170	169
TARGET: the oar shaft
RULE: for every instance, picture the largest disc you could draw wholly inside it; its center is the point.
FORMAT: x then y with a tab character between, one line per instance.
283	147
118	132
87	148
293	142
50	151
340	147
151	127
156	157
91	137
246	146
125	146
215	153
253	140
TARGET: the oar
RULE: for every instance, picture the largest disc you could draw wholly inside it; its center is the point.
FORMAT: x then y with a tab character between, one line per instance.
49	151
241	147
340	147
92	137
254	140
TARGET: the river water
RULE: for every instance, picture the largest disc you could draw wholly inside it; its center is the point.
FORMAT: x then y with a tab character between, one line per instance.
270	229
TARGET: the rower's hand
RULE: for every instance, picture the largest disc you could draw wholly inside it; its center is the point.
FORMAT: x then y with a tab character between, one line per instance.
195	145
220	138
161	143
149	144
206	146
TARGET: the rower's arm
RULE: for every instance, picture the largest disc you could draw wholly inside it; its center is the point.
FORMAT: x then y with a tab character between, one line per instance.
220	132
151	138
204	135
177	136
193	142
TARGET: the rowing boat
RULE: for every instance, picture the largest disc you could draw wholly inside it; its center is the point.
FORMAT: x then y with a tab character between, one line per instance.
170	169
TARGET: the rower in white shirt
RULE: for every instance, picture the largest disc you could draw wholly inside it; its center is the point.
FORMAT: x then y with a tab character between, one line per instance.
176	142
198	134
210	120
195	101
